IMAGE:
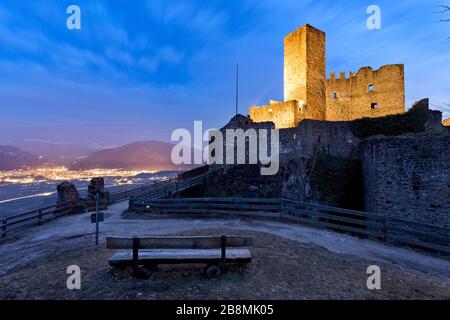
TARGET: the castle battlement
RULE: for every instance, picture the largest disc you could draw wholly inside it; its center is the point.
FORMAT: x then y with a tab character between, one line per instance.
343	96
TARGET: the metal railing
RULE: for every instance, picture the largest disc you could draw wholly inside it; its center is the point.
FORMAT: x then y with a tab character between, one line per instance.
163	188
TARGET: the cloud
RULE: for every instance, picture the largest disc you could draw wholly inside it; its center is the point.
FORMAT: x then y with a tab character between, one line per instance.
190	14
170	55
159	63
147	64
119	56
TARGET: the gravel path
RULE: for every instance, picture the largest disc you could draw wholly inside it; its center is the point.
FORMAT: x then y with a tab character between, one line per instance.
71	235
281	269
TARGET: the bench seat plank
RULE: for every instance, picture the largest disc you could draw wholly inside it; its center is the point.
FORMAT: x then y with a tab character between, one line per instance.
178	256
178	242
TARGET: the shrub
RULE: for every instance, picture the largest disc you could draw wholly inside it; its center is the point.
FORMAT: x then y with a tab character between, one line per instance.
412	121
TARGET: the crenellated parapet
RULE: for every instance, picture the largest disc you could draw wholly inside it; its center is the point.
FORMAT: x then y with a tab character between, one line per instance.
366	93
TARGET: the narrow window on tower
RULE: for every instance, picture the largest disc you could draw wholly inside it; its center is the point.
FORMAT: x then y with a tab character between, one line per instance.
334	95
371	87
375	105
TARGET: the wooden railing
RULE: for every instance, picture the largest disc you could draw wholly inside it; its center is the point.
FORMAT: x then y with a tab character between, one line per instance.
210	206
163	188
363	224
12	224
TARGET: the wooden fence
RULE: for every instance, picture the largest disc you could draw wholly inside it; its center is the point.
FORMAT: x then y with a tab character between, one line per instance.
363	224
164	188
210	206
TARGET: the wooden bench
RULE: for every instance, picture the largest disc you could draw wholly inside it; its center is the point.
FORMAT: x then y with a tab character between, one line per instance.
148	252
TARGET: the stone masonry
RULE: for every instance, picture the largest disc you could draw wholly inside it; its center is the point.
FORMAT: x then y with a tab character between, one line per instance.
446	122
304	70
408	177
405	176
367	93
309	95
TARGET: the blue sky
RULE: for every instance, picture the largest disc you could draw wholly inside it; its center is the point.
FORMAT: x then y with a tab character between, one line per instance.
139	69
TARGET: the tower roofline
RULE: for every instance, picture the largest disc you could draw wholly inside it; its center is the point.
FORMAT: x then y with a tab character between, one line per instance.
305	26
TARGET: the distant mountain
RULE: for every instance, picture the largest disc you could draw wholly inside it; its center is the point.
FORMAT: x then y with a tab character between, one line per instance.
60	153
12	158
144	155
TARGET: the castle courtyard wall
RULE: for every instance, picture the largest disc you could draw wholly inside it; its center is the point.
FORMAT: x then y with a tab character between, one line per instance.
408	177
312	136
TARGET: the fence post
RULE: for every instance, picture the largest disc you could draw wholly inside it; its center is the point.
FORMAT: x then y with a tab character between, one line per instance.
5	220
208	205
315	216
281	207
97	216
131	203
385	231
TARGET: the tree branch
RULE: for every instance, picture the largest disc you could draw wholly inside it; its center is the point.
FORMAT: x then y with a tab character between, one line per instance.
444	8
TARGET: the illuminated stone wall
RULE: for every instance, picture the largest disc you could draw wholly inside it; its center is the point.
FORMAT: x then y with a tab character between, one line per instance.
304	70
282	114
446	122
309	95
367	93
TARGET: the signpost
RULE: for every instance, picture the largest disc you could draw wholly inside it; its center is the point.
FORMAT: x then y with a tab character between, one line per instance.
97	217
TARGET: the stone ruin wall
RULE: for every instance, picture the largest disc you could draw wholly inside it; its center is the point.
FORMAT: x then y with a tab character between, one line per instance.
434	123
405	176
354	99
335	138
282	114
408	177
446	124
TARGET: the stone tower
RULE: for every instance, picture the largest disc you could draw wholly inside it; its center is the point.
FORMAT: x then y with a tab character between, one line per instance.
304	71
309	95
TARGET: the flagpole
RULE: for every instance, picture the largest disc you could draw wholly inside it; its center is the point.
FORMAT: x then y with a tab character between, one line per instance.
237	88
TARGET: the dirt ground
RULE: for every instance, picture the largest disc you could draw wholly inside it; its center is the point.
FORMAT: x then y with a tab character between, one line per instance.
281	269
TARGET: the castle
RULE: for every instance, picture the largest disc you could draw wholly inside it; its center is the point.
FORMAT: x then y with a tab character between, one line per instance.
309	95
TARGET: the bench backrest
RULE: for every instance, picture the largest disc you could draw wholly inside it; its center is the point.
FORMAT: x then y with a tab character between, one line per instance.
178	242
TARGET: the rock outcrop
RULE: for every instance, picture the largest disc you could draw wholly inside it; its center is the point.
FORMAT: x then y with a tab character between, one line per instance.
68	195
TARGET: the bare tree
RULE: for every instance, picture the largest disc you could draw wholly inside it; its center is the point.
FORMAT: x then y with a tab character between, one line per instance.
444	11
447	106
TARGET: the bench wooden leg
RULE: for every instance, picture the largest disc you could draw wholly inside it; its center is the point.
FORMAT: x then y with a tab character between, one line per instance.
142	272
213	271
